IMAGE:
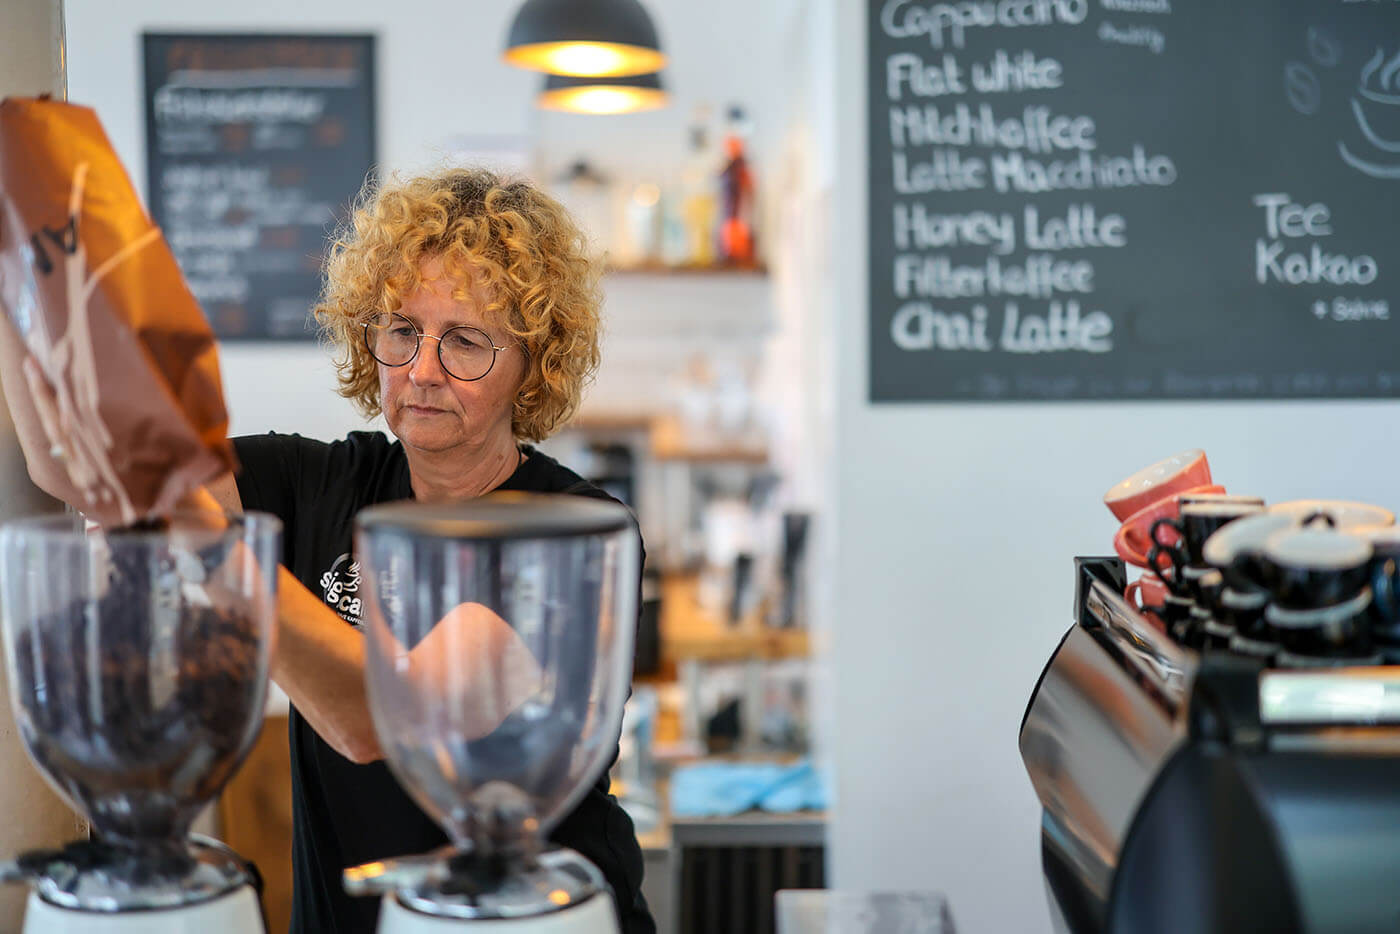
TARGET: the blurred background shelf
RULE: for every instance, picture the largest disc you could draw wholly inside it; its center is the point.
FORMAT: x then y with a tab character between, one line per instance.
690	632
611	420
672	441
669	439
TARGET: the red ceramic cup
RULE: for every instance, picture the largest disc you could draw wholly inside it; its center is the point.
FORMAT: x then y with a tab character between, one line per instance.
1134	538
1185	471
1150	587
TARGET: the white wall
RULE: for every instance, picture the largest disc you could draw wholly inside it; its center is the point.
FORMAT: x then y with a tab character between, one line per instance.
955	534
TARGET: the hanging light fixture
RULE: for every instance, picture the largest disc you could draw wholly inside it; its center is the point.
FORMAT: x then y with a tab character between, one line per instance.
602	95
584	37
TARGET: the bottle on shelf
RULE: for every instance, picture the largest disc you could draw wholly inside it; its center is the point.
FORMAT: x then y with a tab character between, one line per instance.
699	196
675	239
643	225
736	233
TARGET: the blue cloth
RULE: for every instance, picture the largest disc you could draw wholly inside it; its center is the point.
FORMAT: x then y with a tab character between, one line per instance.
722	789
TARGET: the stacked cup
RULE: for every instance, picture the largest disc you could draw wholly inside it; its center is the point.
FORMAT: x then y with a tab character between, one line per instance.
1305	585
1237	552
1192	579
1321	596
1297	584
1142	500
1385	588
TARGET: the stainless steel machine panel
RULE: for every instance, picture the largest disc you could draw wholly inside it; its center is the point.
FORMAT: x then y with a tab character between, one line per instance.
1087	701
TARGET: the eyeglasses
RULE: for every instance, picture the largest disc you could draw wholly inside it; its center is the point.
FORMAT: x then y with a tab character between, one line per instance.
466	353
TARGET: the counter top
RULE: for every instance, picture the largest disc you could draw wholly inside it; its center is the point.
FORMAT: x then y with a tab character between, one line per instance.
795	828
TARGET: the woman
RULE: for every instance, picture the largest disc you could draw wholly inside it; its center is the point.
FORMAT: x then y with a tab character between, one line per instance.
466	311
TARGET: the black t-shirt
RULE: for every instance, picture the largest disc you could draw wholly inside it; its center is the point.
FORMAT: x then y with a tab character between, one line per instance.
346	814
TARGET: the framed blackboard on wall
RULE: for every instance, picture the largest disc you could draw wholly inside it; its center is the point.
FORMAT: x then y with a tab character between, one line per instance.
255	147
1133	199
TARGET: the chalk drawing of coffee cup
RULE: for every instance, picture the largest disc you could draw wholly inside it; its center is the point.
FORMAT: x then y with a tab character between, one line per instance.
1376	108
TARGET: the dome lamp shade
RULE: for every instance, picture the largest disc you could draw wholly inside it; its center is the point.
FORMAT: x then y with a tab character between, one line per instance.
594	38
603	95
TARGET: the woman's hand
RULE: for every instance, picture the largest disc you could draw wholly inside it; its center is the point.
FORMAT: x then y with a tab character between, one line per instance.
200	499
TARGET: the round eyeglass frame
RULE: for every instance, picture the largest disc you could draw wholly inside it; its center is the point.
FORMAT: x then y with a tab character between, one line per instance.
418	347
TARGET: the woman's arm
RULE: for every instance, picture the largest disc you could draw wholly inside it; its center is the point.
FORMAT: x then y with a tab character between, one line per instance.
472	657
319	660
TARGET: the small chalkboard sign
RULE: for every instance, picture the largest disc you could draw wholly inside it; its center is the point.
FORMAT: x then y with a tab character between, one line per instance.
1133	199
256	145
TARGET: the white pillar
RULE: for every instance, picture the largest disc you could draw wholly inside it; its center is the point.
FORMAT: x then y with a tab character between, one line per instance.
31	815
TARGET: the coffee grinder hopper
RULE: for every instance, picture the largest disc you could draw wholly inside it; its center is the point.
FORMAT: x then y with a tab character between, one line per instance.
137	662
499	639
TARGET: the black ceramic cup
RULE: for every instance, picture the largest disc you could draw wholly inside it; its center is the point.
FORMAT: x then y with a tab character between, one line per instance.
1237	548
1196	522
1186	628
1313	567
1174	612
1385	581
1341	629
1216	634
1209	584
1243	611
1262	649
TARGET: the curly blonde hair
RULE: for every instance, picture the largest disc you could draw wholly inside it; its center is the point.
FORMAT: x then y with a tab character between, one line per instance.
517	241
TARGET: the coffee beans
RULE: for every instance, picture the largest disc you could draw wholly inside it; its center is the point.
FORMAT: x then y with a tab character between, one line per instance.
141	703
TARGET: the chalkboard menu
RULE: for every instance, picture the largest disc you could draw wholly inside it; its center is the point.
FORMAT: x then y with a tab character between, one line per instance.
1134	199
256	145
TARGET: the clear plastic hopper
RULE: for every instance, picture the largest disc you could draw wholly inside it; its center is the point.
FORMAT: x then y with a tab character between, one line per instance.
499	638
138	664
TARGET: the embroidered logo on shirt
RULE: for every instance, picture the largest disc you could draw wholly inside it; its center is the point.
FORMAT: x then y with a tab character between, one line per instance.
341	588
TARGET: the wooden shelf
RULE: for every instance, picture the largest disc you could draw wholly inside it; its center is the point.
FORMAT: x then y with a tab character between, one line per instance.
689	632
612	421
671	442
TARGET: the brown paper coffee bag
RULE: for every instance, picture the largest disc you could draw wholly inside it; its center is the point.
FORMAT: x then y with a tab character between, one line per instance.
109	366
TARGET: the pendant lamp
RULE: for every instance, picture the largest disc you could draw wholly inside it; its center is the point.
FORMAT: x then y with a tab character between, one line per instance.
602	95
584	37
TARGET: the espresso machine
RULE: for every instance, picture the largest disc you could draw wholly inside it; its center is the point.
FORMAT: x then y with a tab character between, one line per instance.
138	664
498	638
1198	788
